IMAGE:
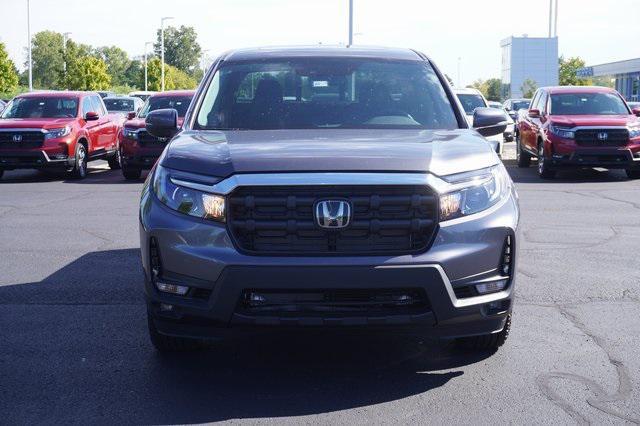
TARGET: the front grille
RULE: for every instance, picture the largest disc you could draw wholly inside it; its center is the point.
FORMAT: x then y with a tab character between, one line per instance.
334	301
593	137
280	220
147	139
28	139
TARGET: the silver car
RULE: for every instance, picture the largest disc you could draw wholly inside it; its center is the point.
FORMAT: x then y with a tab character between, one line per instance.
328	188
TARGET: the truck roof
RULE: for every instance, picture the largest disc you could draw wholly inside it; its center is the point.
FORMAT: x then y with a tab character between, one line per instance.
320	51
55	93
578	89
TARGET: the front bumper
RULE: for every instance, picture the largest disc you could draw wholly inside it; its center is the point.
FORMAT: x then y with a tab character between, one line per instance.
202	256
611	158
34	159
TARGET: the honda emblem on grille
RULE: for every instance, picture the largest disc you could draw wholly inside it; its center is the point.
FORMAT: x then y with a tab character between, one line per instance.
333	214
17	138
603	136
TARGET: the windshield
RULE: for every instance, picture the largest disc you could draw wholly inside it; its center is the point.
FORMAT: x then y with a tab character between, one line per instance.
179	103
44	107
588	104
471	102
311	93
116	104
521	105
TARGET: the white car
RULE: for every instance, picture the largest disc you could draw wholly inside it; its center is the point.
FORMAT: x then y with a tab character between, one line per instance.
470	99
144	95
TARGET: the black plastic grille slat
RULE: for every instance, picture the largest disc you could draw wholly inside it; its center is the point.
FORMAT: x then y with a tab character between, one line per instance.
146	139
589	137
385	220
30	139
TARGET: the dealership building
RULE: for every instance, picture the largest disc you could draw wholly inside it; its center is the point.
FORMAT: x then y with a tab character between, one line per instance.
625	73
528	58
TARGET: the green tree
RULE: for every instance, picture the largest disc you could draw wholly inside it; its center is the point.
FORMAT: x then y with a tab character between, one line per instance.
8	72
87	73
173	79
134	74
492	88
528	88
117	62
47	58
568	69
181	48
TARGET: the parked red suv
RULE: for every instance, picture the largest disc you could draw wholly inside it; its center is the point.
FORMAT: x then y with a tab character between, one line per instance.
139	149
61	130
579	126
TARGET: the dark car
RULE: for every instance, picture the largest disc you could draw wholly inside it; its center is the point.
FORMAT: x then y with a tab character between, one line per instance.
105	93
327	188
138	148
579	127
61	130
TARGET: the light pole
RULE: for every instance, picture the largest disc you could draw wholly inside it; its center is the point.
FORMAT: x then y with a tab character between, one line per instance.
350	23
166	18
459	82
29	36
146	79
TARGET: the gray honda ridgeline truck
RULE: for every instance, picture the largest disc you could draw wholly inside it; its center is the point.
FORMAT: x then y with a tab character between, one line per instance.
334	188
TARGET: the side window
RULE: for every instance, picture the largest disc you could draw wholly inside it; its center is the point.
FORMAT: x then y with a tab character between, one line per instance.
541	103
86	105
534	101
98	106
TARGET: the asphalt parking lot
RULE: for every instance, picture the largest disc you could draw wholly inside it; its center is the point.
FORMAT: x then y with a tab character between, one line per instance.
74	345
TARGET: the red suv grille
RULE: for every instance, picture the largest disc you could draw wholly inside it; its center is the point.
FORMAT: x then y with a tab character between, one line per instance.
602	137
21	139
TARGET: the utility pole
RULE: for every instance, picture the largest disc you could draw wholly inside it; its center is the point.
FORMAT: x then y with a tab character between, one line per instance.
146	78
459	82
555	21
350	23
203	60
29	37
166	18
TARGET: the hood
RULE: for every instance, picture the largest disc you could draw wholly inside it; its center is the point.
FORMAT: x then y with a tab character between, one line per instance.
593	120
138	123
218	153
34	123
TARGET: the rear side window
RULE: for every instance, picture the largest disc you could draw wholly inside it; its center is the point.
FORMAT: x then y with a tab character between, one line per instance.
97	105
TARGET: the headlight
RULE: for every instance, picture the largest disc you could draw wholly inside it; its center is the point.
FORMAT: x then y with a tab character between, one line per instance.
478	190
130	133
562	132
57	133
186	200
634	132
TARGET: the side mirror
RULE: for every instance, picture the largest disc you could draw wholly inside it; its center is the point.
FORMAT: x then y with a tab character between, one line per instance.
636	112
162	123
91	116
489	121
131	115
507	109
534	113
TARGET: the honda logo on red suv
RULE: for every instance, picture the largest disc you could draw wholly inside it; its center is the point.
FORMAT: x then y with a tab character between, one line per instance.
603	136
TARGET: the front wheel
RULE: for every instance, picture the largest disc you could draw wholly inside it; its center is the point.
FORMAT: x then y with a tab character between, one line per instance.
486	342
79	170
544	171
114	160
523	158
131	173
631	174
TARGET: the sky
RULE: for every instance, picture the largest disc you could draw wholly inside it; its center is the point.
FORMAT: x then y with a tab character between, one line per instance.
467	32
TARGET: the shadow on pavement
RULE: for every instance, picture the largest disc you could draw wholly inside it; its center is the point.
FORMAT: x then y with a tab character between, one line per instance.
75	349
96	175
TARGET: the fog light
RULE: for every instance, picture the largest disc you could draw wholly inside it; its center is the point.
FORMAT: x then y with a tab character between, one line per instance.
180	290
491	287
256	299
59	156
165	307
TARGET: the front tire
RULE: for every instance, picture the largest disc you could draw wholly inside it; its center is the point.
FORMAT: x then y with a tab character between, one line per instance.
164	343
79	170
114	161
486	342
523	158
544	171
131	173
631	174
